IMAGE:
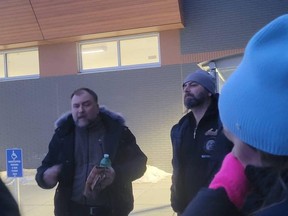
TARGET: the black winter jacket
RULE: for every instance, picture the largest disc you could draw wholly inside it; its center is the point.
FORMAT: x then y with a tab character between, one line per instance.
269	197
198	151
8	205
128	161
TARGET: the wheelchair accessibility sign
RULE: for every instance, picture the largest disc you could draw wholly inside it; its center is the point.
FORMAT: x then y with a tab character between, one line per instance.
14	163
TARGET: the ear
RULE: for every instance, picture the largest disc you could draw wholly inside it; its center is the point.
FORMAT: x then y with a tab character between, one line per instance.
98	108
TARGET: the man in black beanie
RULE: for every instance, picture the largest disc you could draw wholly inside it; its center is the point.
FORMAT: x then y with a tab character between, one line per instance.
198	143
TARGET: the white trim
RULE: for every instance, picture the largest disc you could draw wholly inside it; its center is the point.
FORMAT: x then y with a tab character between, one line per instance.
26	77
121	68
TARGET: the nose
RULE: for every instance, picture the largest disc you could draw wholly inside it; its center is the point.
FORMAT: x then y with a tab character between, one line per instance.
186	88
80	109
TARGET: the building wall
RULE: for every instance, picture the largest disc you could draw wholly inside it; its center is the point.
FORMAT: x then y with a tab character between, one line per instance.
58	59
149	99
216	25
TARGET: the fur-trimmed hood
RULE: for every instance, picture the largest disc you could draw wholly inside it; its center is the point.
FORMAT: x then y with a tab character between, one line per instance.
102	111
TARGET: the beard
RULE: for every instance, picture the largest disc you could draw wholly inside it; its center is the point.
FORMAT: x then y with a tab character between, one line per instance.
192	101
84	122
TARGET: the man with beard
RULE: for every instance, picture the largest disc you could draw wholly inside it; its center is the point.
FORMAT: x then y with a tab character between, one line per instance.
199	145
80	140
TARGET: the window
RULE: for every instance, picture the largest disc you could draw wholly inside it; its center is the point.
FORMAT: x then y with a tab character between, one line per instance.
99	55
224	67
120	53
22	63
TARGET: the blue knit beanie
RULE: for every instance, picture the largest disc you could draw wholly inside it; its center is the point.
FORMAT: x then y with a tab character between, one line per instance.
254	101
203	78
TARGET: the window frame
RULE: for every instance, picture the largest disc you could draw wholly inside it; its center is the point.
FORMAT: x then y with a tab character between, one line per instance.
6	70
119	67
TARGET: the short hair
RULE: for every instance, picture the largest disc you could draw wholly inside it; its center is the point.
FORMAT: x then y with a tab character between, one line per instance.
89	91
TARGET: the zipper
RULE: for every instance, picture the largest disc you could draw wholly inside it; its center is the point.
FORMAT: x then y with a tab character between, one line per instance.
195	131
88	160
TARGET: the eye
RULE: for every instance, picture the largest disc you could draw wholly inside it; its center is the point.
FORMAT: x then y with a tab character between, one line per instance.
75	106
190	84
87	104
193	84
186	84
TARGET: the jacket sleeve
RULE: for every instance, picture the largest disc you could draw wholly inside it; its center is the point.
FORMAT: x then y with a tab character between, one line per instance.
8	205
176	189
130	162
49	160
210	202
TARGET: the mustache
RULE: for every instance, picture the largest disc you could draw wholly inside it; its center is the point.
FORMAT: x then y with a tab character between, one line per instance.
189	95
82	115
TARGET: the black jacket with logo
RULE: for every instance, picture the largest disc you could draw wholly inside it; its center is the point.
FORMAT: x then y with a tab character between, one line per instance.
198	151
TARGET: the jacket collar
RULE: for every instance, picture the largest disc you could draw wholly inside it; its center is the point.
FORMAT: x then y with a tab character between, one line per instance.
103	111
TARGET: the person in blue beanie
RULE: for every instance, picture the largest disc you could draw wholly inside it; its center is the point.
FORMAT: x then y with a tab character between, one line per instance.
253	179
199	145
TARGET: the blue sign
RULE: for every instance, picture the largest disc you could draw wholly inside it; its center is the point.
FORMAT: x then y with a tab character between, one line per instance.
14	163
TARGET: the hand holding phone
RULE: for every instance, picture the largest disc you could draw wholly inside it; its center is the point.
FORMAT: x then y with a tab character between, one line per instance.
94	178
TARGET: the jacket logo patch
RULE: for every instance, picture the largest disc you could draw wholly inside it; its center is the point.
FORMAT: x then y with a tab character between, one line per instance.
210	145
211	132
